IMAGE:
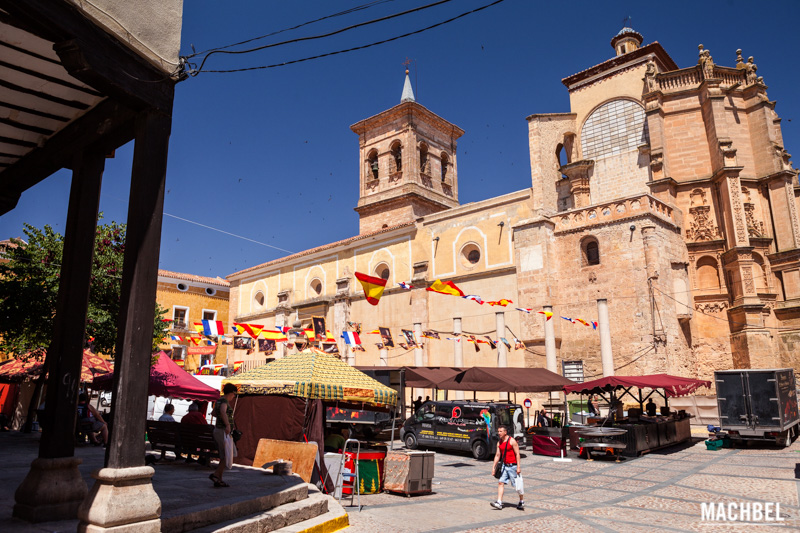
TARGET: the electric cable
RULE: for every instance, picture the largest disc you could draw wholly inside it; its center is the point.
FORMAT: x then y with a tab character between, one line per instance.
353	49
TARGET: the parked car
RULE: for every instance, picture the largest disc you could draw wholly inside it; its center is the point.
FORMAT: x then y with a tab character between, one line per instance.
461	425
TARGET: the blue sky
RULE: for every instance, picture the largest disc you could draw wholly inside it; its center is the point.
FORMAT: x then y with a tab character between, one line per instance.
269	155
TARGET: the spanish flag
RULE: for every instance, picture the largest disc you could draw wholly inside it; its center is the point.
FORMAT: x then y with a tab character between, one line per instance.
276	336
503	302
373	287
548	314
251	329
445	287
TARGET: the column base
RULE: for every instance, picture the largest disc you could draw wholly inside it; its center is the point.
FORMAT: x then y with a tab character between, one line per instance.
52	490
122	500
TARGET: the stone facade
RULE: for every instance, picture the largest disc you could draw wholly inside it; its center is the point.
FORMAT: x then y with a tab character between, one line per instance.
189	298
665	190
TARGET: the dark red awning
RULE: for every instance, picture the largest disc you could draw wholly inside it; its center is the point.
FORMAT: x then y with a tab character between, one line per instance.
672	385
506	379
429	377
169	380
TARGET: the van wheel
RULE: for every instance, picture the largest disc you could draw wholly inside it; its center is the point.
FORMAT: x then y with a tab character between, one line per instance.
480	450
411	441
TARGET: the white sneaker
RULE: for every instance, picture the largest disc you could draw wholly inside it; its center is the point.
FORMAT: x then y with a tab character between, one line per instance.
497	505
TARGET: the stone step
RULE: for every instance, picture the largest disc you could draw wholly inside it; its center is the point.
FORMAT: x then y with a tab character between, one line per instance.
288	514
226	507
334	520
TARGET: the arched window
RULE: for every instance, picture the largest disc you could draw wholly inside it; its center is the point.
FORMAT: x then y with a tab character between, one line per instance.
397	156
382	271
424	165
561	157
590	252
613	128
445	165
707	273
372	165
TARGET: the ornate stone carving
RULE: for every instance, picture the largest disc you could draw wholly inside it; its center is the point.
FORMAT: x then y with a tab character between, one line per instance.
657	164
736	205
747	277
650	77
750	69
755	228
426	180
728	152
395	177
447	189
372	185
793	210
592	277
701	228
711	307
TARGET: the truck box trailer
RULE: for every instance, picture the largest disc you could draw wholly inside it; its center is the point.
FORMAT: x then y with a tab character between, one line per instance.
758	404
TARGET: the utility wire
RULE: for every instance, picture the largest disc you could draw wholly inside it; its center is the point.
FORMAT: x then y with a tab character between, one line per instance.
340	13
228	233
320	36
194	73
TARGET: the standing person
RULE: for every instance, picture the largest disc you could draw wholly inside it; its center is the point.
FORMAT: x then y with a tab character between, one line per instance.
166	416
542	419
222	428
87	414
417	404
592	405
508	455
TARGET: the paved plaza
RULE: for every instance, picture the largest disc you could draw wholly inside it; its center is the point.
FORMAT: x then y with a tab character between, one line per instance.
660	491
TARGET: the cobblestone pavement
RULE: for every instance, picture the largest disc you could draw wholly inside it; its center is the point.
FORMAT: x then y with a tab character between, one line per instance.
660	491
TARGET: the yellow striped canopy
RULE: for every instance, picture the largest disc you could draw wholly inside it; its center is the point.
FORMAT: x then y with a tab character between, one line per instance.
315	375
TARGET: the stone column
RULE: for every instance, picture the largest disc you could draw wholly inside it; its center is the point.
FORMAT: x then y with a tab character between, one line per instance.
384	357
54	488
458	352
550	346
579	173
785	216
419	353
502	351
341	312
606	355
282	320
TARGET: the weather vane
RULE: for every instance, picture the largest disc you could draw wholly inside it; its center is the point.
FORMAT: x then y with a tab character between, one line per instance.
406	63
627	21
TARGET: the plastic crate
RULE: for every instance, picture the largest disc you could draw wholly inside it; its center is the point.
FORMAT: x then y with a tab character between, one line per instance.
714	444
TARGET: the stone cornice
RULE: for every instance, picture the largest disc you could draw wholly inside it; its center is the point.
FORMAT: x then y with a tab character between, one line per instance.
407	109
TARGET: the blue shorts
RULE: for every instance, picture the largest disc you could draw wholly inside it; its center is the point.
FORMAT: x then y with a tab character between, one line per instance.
509	474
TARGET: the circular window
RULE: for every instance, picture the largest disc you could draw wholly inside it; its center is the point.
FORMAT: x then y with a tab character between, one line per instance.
382	271
259	298
210	291
470	255
316	287
183	287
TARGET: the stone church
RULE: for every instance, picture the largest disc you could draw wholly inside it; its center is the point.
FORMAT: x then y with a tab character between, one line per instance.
665	191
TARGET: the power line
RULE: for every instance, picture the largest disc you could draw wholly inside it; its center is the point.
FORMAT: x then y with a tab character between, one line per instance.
321	36
338	14
228	233
376	43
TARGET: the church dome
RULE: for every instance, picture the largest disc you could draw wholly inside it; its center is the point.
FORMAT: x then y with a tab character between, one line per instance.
626	40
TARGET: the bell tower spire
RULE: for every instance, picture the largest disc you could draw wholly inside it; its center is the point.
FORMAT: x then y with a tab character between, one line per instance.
408	164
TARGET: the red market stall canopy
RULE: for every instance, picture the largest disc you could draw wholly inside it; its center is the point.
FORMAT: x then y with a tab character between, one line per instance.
16	371
482	378
672	385
428	377
169	380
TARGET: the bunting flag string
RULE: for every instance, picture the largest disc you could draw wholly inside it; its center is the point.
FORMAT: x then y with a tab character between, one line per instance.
405	285
237	329
548	314
474	298
445	287
503	302
524	309
210	327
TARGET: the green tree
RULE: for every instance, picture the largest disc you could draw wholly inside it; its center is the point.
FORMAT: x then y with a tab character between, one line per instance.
29	288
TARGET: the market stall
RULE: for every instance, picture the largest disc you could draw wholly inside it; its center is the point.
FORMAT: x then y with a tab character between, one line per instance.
643	432
286	399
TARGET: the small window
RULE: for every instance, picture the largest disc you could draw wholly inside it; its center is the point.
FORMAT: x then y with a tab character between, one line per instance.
183	287
316	287
382	271
445	166
179	316
590	252
423	159
259	299
210	291
178	352
209	315
470	255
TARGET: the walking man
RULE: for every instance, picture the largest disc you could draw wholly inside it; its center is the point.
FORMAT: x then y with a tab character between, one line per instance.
508	455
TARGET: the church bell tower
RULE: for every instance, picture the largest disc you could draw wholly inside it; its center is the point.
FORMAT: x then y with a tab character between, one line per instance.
408	165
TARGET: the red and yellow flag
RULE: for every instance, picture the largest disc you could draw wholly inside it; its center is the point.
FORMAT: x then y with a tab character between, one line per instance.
548	314
445	287
502	302
274	335
373	287
253	330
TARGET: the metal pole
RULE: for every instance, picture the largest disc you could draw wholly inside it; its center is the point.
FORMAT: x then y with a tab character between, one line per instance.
384	357
458	352
550	347
606	355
